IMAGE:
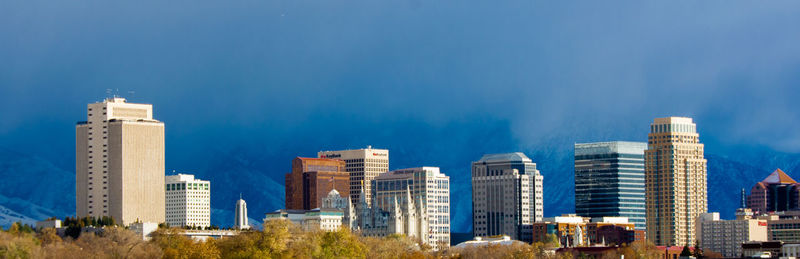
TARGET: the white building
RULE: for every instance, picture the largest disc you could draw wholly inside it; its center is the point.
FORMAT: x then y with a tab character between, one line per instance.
188	201
726	236
428	188
335	212
241	215
506	196
363	165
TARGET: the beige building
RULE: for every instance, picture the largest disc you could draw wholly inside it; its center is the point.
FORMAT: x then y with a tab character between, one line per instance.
675	178
422	188
363	165
119	163
726	236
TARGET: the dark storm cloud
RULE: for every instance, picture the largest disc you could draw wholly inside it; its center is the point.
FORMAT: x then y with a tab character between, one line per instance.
291	77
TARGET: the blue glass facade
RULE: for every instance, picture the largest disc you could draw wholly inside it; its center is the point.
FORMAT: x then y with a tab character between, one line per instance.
609	181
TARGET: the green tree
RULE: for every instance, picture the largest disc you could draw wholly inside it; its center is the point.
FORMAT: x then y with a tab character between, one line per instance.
698	252
685	251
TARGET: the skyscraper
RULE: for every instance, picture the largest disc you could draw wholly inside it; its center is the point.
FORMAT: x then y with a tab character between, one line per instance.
240	222
188	201
609	180
506	196
312	179
424	186
119	163
675	178
364	165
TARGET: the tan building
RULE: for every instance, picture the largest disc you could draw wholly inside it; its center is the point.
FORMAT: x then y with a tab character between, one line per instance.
364	165
312	179
119	163
675	178
727	236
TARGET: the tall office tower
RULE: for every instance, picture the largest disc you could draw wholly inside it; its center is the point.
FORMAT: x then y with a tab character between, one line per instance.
777	192
240	222
675	178
609	180
364	165
312	179
506	196
427	187
119	163
188	201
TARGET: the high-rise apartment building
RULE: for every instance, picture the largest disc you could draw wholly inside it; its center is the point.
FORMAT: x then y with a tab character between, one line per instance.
675	178
426	187
777	192
119	163
364	165
240	219
188	201
506	196
312	179
609	180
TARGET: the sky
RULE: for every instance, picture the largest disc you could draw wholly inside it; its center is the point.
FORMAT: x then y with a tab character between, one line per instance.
294	77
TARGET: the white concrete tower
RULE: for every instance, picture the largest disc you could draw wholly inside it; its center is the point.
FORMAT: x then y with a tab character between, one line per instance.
241	214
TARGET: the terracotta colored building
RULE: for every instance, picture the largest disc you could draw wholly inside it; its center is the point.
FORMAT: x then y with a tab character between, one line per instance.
777	192
312	179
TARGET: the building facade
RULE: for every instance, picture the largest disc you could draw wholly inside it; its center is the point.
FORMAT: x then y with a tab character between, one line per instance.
777	192
575	231
240	219
312	179
506	196
119	163
428	190
336	212
363	165
726	236
675	178
188	201
609	180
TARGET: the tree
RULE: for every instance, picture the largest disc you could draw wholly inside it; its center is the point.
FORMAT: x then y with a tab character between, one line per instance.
685	251
698	253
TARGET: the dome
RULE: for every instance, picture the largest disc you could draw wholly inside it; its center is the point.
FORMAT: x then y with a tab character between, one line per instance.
334	192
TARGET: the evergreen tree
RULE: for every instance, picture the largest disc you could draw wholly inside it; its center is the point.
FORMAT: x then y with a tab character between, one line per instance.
686	251
698	253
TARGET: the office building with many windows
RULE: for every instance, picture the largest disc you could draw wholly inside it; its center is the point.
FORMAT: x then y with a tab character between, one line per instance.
363	165
188	201
609	180
422	188
119	163
506	196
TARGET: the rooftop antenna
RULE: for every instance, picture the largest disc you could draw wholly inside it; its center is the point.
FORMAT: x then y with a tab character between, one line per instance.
240	195
116	93
130	94
108	93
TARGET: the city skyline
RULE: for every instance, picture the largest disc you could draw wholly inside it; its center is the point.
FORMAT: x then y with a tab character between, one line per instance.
259	83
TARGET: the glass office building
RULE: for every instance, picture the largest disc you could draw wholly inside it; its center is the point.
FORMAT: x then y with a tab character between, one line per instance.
610	181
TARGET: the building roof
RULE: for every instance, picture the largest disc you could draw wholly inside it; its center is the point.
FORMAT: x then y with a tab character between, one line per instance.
505	157
778	177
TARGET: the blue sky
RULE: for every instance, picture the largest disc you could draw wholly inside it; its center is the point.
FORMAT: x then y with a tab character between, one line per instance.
293	77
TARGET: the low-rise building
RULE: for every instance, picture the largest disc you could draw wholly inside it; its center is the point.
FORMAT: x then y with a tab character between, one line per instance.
188	201
575	231
50	223
726	236
761	248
